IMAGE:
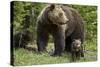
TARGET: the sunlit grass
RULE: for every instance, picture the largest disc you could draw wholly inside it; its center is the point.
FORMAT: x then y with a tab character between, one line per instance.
30	57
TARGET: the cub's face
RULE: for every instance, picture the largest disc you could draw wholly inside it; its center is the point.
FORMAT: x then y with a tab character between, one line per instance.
57	15
76	45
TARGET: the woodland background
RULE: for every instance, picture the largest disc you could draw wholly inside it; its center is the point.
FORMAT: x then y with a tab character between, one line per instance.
31	9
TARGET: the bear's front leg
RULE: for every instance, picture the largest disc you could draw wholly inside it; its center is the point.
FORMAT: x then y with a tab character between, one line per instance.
59	42
42	40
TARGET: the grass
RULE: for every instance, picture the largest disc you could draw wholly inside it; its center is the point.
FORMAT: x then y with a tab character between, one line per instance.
31	57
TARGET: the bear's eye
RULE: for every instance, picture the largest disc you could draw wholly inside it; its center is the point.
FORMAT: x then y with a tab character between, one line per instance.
60	14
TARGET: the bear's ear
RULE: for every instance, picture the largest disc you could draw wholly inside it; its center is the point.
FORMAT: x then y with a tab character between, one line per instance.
52	6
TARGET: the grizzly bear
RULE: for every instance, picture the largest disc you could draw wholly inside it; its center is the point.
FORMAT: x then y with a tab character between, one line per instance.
63	23
76	49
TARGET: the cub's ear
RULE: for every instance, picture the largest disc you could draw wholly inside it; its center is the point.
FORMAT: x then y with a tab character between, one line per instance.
52	6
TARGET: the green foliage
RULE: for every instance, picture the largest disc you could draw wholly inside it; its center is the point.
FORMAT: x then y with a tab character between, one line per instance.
89	14
22	9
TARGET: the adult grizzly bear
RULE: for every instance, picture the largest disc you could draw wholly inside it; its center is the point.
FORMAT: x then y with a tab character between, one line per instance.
63	23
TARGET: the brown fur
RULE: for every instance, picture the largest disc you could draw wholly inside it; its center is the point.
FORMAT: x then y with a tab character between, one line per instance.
63	23
77	49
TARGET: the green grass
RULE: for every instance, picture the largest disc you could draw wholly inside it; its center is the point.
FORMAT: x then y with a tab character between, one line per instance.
30	57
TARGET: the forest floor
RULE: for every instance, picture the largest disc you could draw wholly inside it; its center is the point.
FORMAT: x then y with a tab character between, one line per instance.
32	57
